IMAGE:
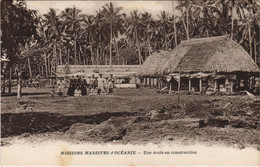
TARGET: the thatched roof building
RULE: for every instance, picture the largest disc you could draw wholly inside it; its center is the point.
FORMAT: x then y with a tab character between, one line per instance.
153	63
219	54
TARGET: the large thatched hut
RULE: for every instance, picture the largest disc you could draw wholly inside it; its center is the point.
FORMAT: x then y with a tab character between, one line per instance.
216	61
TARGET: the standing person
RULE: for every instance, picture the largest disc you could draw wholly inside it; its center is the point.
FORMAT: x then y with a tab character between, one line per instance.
101	84
92	84
59	90
88	85
77	81
53	91
92	81
257	86
110	85
83	86
72	86
64	86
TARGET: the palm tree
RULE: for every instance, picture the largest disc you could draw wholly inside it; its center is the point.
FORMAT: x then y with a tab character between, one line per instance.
174	24
148	30
164	25
112	16
52	22
89	30
184	8
134	31
71	19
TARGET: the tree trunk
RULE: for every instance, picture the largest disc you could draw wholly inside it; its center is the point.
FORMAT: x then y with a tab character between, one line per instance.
138	46
79	56
55	52
165	39
139	53
232	21
185	27
75	49
68	56
29	66
187	18
49	66
46	65
250	41
10	80
19	85
42	70
255	51
92	56
117	54
97	57
174	25
149	45
60	54
110	45
3	91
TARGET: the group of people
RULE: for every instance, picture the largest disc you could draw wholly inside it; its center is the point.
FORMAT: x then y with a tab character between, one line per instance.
81	86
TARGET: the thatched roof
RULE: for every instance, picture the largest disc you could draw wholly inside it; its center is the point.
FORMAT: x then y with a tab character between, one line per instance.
219	54
153	63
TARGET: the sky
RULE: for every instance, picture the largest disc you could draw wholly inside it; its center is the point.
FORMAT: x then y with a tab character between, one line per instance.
90	7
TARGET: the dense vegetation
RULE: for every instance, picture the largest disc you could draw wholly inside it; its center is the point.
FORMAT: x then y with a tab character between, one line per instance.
37	44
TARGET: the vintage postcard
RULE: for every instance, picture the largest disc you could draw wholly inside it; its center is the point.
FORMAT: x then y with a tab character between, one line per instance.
130	83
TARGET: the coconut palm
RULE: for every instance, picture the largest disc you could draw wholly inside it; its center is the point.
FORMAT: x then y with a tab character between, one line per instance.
112	16
164	27
71	19
184	8
89	30
148	30
134	31
52	22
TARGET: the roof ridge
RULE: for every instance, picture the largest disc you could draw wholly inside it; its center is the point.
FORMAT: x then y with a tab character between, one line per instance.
194	40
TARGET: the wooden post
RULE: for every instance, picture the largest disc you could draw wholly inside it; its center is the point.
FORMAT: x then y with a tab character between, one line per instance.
215	85
42	70
160	83
179	87
200	84
170	87
189	84
145	82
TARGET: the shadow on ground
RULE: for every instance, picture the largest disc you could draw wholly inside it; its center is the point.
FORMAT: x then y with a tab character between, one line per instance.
23	94
40	122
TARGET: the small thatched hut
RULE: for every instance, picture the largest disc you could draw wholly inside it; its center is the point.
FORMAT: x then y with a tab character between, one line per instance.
153	63
217	59
149	71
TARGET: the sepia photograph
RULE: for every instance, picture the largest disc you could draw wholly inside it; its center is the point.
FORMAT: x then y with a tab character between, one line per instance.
130	83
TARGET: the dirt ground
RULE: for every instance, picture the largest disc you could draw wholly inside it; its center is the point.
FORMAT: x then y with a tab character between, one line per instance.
132	116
